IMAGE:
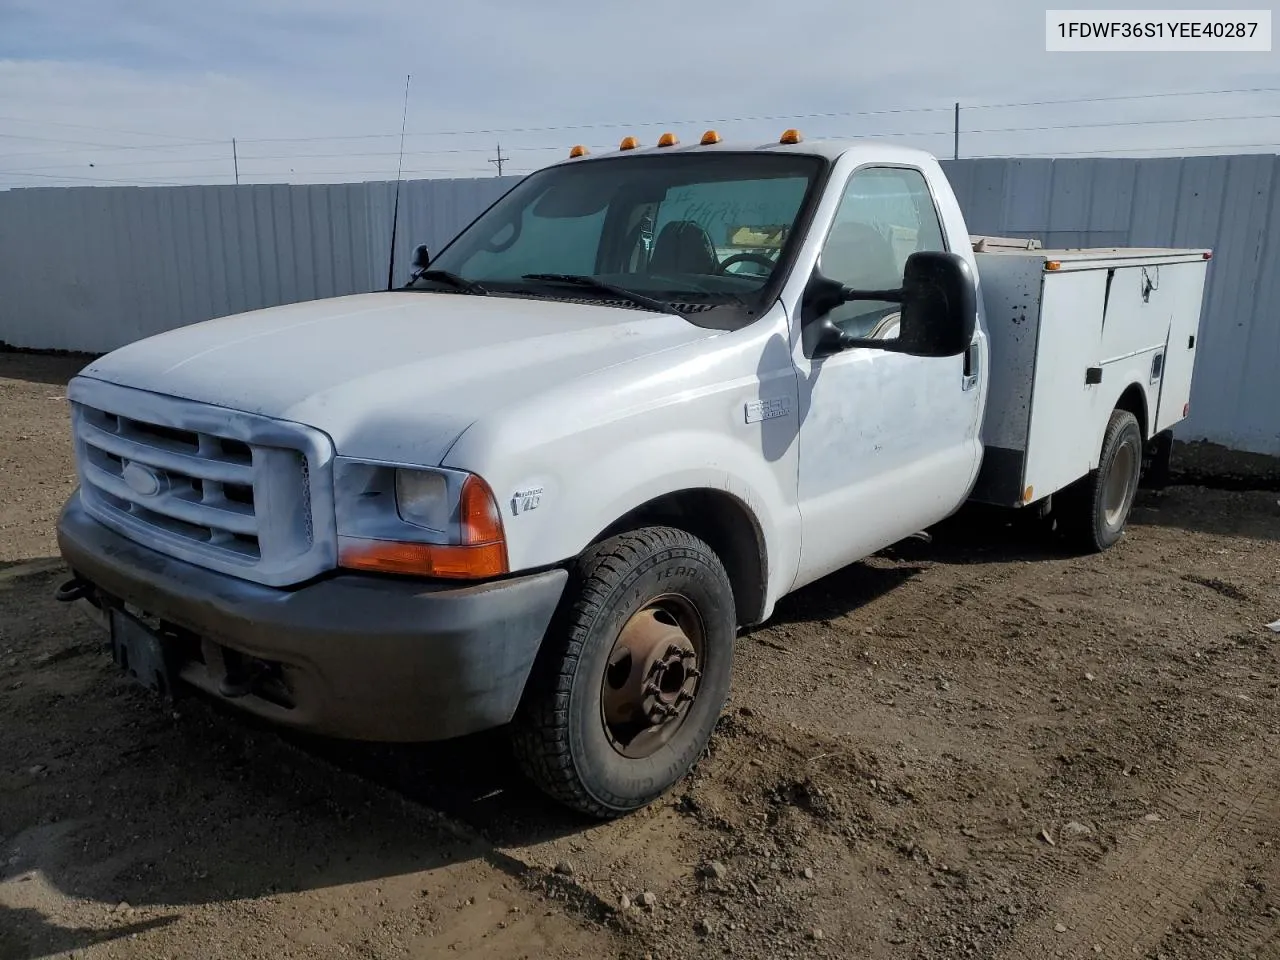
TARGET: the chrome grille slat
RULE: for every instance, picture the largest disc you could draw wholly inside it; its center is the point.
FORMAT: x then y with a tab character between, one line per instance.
224	515
193	465
233	492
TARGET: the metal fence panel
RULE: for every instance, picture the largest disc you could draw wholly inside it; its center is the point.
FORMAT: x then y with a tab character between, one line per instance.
92	268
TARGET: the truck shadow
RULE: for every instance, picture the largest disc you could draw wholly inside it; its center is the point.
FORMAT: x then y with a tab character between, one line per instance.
42	938
1250	512
109	795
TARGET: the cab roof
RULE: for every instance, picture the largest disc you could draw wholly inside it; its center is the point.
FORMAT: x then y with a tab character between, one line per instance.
832	149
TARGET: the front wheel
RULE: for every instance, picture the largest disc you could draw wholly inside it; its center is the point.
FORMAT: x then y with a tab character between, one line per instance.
1097	507
633	675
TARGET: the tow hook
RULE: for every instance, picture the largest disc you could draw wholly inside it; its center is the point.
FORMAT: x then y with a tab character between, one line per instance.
74	589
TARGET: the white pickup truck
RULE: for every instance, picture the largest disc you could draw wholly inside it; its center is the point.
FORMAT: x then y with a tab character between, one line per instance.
637	401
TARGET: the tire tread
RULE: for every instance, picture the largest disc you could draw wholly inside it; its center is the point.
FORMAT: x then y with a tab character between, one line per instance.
540	737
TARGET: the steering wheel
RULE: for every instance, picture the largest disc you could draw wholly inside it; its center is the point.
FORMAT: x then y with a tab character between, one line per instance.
756	258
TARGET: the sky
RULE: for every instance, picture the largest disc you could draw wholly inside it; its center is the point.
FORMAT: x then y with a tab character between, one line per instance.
153	91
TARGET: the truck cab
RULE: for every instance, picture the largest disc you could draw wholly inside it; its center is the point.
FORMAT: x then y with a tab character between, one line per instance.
638	400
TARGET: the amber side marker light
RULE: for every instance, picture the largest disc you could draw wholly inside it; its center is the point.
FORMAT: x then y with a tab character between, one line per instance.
1053	265
628	143
482	552
709	138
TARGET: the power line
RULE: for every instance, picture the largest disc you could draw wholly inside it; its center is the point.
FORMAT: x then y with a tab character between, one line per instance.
771	117
611	125
1086	153
557	147
85	126
1125	123
1130	96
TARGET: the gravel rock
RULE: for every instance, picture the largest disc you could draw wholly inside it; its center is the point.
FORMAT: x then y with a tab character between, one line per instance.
715	870
649	899
564	868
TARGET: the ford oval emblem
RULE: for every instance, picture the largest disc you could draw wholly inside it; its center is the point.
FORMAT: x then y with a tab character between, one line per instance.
141	479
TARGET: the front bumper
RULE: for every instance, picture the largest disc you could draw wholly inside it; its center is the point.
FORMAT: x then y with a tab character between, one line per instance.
361	657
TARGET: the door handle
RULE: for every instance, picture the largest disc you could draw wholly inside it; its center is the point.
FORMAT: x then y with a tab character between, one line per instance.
971	360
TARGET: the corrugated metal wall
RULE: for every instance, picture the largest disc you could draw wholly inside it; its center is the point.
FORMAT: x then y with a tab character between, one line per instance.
91	268
1231	204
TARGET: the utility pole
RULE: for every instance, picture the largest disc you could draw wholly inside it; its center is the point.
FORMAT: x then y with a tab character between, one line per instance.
499	159
235	159
957	143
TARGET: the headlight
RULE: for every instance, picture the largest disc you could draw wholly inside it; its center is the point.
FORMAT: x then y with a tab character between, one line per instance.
429	522
422	498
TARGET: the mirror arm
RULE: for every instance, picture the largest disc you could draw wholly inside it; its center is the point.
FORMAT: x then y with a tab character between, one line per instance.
889	296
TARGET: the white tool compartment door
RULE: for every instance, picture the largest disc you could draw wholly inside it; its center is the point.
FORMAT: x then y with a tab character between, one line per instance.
1184	285
1063	435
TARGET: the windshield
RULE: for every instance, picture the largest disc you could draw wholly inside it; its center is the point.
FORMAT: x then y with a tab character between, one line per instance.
695	231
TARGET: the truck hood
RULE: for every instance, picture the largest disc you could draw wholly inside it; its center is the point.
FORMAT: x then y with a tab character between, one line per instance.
390	376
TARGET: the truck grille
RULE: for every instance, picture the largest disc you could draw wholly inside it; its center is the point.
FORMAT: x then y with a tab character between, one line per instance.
228	491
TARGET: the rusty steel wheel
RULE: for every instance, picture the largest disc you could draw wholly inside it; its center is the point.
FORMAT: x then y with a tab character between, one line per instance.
651	677
632	675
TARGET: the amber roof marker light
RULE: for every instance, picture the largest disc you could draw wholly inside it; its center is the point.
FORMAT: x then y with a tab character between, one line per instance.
790	136
628	143
578	151
668	140
709	138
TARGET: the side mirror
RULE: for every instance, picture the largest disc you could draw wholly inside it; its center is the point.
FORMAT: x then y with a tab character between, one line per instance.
939	309
421	257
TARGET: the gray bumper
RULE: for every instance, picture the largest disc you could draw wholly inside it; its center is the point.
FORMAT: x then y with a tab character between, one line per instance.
363	657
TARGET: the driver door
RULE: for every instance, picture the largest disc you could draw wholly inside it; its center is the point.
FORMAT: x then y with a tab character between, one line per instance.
888	444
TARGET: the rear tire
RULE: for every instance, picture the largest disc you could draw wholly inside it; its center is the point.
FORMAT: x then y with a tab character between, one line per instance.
1096	508
636	593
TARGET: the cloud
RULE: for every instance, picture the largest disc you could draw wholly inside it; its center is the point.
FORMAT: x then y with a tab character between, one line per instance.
154	91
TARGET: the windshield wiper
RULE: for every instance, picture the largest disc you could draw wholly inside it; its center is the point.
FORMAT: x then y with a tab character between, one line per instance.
622	293
453	280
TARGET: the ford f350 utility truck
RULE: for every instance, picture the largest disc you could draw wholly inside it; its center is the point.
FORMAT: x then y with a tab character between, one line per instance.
639	399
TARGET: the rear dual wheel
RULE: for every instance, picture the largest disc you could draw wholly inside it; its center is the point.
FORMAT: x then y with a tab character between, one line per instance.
632	676
1096	508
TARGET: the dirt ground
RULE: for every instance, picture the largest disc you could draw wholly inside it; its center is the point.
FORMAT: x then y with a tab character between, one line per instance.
978	747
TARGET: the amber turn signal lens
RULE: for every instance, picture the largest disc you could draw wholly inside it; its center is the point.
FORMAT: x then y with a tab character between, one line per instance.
423	559
478	512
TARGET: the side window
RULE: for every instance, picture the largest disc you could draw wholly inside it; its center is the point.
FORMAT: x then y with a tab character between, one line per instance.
885	215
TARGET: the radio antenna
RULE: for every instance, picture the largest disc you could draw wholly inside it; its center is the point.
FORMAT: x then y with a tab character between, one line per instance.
395	213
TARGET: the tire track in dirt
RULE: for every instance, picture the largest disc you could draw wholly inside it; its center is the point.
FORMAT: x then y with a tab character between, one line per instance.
1194	835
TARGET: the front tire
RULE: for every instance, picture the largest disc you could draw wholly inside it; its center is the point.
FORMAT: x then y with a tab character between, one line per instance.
1097	506
633	675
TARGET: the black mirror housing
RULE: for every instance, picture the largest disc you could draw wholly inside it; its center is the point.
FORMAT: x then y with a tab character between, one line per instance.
421	257
939	309
939	305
